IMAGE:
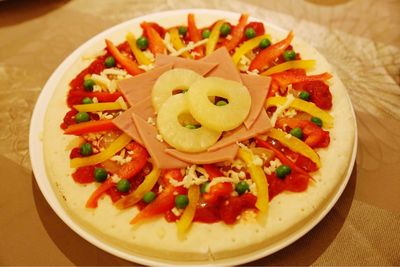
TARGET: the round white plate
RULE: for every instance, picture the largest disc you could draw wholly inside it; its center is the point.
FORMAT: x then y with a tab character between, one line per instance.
116	34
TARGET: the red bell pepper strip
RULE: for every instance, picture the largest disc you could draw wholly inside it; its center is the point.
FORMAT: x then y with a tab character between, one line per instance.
90	127
75	96
129	65
104	187
218	191
237	33
139	160
195	35
165	201
156	44
287	77
267	56
281	157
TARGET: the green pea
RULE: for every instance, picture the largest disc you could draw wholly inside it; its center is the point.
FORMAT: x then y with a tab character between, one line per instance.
182	30
181	201
264	43
149	197
221	103
87	100
100	174
142	43
316	121
205	33
123	185
304	95
289	55
204	187
225	29
250	33
192	126
282	171
86	149
109	62
88	84
241	187
297	132
82	117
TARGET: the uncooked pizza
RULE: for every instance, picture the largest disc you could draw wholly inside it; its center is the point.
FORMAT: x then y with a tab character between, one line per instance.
199	139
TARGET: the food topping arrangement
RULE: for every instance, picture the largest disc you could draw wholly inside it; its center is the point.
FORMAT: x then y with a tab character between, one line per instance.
197	125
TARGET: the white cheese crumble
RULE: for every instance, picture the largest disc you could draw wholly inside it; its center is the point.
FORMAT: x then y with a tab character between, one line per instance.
101	80
253	72
95	100
190	46
288	136
273	165
289	99
257	161
290	113
176	211
252	187
150	120
97	88
244	63
147	53
190	178
113	71
115	178
146	67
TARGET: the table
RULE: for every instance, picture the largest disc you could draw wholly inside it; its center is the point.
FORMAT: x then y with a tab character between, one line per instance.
360	38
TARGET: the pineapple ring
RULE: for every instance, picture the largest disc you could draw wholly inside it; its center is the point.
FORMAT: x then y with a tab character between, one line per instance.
219	118
170	81
178	136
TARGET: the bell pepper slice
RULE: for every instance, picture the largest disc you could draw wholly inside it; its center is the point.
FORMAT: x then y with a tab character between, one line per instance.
104	187
195	35
139	55
186	219
237	32
156	44
214	37
90	127
98	107
148	183
177	42
267	56
258	176
304	106
295	144
293	76
107	153
248	46
129	65
293	64
217	191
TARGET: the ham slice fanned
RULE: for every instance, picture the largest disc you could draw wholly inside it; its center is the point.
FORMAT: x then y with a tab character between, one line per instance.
226	153
139	87
226	69
156	148
258	88
137	121
198	66
261	125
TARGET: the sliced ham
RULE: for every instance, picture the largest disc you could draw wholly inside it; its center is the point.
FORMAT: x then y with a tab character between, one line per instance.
226	153
258	88
156	149
124	123
261	125
200	67
226	69
139	87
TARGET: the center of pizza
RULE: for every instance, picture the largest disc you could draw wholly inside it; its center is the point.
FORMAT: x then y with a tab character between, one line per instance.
197	125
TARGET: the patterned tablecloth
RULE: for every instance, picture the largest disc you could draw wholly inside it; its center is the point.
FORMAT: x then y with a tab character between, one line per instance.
361	39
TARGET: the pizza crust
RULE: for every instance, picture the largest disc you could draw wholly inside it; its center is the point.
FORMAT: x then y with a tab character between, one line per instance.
288	212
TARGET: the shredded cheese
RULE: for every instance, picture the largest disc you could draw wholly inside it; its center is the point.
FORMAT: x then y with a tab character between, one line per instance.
273	164
190	178
190	46
114	71
168	44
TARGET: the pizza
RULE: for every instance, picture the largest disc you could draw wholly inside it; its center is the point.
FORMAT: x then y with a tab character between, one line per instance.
199	137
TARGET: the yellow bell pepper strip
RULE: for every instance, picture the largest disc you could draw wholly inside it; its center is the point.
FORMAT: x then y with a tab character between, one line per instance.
98	107
267	56
186	219
293	64
104	155
294	144
90	127
248	46
237	32
104	187
214	37
129	65
148	183
156	44
139	55
258	176
177	42
304	106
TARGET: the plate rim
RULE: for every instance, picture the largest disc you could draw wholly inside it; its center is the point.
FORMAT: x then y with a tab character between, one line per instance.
36	152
